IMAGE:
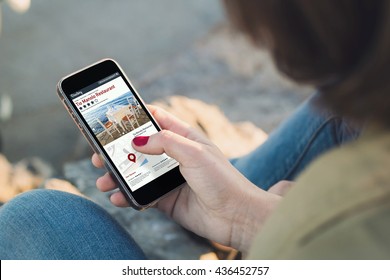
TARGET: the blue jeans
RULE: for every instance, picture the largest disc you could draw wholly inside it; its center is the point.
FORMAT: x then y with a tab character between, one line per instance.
45	224
303	137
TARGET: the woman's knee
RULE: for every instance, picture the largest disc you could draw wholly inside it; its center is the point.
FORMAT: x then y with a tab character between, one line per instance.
37	203
45	224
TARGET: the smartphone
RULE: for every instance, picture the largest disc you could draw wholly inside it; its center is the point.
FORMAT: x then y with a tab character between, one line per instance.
110	113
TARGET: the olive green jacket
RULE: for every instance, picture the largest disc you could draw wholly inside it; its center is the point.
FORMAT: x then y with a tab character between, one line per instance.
339	207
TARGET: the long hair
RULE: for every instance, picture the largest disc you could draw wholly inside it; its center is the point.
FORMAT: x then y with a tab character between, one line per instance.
340	46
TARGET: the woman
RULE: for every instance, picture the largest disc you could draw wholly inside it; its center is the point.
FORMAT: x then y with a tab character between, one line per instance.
339	206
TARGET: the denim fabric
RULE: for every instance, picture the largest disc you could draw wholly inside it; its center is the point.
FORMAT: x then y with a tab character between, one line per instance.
304	136
46	224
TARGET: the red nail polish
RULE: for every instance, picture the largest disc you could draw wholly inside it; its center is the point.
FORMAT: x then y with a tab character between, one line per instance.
141	140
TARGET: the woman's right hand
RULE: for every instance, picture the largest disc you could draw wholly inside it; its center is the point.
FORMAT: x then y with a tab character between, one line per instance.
218	202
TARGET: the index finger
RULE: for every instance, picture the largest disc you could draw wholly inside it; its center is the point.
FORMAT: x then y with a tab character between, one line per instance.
169	122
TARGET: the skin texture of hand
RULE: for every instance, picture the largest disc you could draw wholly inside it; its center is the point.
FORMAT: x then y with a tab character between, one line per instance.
217	202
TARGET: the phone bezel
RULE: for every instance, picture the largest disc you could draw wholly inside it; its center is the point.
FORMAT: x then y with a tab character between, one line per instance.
148	194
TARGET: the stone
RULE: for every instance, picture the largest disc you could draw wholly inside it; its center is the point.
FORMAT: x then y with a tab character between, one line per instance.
222	86
62	185
225	70
158	236
25	175
233	139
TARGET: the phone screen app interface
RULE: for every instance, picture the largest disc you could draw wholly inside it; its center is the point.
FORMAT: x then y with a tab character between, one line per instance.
115	117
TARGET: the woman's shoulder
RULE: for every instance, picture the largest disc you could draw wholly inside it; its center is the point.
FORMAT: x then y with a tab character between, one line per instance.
333	201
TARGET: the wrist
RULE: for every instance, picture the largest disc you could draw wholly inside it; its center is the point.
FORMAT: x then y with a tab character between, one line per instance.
250	218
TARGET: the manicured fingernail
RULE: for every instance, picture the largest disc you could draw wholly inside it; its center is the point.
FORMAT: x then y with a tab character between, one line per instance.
141	140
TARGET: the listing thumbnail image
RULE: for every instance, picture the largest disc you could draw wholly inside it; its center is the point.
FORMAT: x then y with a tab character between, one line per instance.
116	118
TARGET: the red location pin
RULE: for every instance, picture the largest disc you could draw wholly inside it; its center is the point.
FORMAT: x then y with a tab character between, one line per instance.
132	157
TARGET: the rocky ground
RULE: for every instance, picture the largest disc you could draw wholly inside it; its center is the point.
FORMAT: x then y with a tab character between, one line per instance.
228	89
223	70
222	85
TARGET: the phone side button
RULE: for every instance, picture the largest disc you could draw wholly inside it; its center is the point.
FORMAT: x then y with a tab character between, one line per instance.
73	117
75	120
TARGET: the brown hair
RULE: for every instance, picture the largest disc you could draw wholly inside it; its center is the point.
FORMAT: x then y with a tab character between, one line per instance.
339	46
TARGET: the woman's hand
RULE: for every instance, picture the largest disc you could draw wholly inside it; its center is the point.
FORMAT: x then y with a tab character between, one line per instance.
218	202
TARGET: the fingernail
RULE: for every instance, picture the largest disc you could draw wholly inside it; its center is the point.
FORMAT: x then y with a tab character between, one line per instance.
141	140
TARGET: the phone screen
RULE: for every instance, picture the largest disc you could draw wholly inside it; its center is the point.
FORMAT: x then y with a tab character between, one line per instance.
115	117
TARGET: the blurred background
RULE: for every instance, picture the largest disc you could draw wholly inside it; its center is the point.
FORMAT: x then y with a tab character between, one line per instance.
42	40
167	48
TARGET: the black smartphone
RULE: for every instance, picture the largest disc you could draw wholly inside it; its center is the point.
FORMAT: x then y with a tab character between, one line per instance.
110	113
